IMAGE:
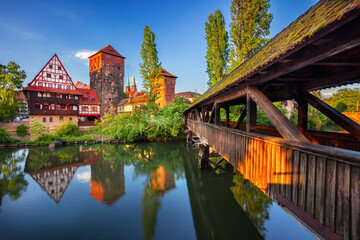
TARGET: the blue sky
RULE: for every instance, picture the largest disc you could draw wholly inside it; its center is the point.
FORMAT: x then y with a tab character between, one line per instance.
32	31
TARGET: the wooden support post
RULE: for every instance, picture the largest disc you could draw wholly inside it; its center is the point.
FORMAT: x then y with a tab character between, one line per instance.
346	123
227	109
241	118
250	114
189	136
217	115
281	123
203	156
302	115
197	115
212	114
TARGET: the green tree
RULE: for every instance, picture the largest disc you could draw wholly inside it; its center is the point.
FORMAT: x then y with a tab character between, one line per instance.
11	79
150	66
345	99
217	47
250	23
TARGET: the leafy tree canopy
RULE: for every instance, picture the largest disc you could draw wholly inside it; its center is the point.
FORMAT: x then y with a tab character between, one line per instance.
345	100
11	79
150	66
217	47
250	23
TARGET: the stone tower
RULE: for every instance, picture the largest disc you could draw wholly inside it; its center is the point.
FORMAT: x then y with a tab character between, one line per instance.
106	69
166	92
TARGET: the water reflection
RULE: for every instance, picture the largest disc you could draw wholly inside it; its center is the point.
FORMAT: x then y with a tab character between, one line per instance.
12	180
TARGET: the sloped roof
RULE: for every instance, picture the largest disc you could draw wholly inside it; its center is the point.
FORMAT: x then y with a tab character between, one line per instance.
21	96
166	73
303	28
89	93
54	90
109	50
82	85
186	94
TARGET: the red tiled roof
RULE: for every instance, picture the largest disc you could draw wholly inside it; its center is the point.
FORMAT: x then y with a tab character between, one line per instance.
89	93
131	92
54	90
21	96
80	85
166	73
109	50
185	94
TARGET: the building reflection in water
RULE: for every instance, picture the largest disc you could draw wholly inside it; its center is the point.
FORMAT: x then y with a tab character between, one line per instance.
53	170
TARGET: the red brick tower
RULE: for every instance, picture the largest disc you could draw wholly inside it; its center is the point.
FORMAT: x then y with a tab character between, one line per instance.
167	83
107	77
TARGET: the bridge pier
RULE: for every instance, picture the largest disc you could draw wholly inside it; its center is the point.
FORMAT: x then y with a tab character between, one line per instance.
203	156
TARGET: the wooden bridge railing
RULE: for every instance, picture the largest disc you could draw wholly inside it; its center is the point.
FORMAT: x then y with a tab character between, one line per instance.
323	181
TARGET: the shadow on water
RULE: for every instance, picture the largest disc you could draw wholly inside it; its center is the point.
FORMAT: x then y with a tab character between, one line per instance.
218	203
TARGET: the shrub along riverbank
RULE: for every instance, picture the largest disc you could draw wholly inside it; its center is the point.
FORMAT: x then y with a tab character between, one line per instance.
146	123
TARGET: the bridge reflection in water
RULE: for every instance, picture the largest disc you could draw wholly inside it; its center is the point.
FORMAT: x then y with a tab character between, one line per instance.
321	188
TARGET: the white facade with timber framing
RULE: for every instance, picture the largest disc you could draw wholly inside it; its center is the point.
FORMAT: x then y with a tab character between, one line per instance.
319	184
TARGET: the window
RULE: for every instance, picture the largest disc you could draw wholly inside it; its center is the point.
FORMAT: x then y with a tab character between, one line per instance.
37	105
70	119
64	96
52	95
76	97
59	68
40	84
92	99
70	107
52	106
50	66
45	107
63	107
44	119
84	108
68	86
57	107
39	94
85	99
48	75
61	118
109	99
113	67
48	94
107	58
50	84
50	119
59	86
117	60
75	107
61	77
94	109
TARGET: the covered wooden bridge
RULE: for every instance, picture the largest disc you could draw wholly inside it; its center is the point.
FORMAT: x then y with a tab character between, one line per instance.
316	175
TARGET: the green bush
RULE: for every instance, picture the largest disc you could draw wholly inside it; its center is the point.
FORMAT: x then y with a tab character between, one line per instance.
5	135
145	122
21	130
45	139
67	129
37	128
86	138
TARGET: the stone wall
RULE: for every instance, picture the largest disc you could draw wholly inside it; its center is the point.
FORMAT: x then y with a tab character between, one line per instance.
55	120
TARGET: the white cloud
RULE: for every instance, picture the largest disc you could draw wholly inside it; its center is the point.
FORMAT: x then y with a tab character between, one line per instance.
84	54
84	177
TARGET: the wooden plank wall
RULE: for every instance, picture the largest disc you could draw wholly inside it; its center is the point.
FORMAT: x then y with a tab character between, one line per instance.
325	187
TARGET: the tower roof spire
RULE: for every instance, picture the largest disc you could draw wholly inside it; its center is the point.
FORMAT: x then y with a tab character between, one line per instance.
133	83
128	82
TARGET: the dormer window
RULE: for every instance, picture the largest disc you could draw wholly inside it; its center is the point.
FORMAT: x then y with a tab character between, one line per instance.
92	99
85	99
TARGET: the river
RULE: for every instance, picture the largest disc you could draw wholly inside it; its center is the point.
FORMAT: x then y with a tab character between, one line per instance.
132	191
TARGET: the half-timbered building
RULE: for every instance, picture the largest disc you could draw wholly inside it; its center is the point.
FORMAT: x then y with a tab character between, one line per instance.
52	96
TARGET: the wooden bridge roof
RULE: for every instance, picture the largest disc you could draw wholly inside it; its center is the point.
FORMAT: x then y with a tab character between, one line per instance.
319	49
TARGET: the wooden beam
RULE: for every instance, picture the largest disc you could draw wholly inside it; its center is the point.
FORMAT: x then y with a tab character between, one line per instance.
197	115
217	115
346	123
231	95
281	123
250	114
212	115
241	118
302	115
